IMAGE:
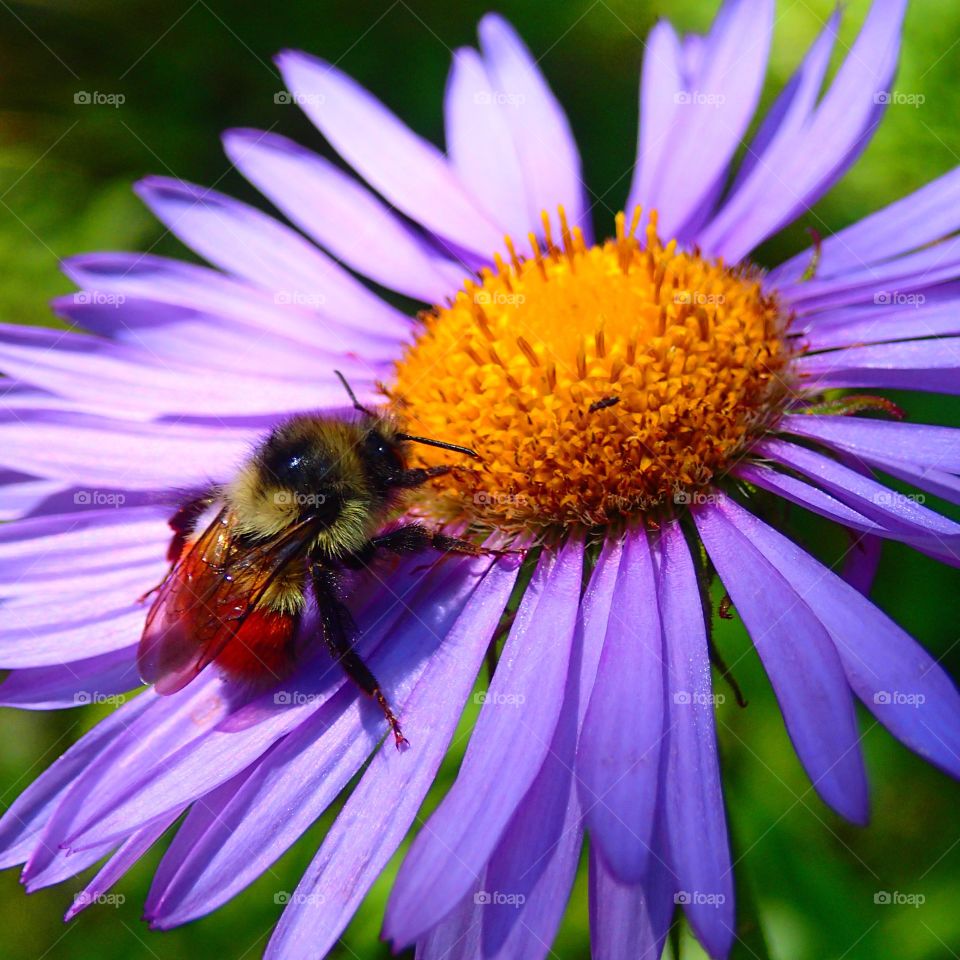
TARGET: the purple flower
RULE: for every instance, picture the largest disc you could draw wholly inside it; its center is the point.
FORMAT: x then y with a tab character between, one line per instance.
632	399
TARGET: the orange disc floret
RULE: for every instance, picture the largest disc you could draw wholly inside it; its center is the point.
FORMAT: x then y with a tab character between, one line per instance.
595	382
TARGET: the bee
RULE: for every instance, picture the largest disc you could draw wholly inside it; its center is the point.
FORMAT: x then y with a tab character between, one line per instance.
311	503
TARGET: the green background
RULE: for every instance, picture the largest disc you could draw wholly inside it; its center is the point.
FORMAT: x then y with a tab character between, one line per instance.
188	70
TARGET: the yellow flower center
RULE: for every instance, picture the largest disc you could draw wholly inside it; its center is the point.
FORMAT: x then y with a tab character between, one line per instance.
596	383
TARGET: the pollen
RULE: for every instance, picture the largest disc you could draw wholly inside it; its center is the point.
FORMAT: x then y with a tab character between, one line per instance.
597	383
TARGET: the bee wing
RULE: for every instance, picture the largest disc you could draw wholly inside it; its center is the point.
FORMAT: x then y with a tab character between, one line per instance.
206	599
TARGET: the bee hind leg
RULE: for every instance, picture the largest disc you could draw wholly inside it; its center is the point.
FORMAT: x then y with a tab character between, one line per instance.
415	538
339	631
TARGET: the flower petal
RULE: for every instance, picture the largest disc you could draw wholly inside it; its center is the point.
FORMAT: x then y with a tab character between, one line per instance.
480	144
410	172
526	694
800	659
696	826
249	244
341	215
926	365
72	684
536	859
716	107
798	169
926	215
380	810
898	681
630	921
541	132
26	818
220	851
619	752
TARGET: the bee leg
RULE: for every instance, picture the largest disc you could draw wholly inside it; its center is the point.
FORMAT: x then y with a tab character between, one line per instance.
414	538
418	476
338	633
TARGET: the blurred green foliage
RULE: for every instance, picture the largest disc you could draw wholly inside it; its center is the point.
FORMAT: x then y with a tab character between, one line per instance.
189	68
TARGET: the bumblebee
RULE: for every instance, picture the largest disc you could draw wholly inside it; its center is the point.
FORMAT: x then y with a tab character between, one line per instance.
311	503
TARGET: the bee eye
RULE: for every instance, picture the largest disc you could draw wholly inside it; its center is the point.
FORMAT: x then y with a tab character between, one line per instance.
380	453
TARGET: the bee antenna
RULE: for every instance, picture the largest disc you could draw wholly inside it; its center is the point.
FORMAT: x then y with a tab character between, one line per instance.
439	443
357	405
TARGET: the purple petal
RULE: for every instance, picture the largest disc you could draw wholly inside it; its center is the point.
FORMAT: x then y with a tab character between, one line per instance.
410	172
537	857
249	244
139	275
798	169
103	453
218	852
619	752
127	856
629	921
18	499
342	215
871	325
720	98
28	815
213	341
72	684
378	814
661	82
499	767
541	132
693	797
885	284
800	659
926	215
900	516
480	144
792	109
41	635
91	369
898	681
880	440
927	365
165	724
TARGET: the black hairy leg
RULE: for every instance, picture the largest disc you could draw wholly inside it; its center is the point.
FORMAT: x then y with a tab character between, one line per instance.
339	633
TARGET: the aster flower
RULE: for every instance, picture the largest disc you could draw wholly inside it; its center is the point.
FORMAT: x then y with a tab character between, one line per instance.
638	402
